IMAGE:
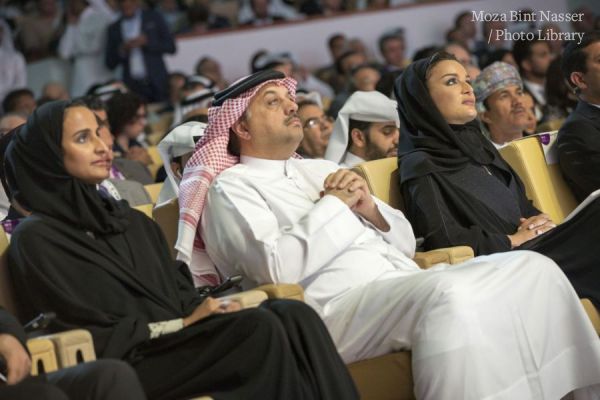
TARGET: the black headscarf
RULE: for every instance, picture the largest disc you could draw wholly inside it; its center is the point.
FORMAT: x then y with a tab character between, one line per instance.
428	144
37	177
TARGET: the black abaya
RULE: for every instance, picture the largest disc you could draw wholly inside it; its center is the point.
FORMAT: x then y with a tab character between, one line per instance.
102	266
433	160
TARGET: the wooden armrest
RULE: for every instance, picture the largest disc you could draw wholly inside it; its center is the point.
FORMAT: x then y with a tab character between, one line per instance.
73	347
592	313
43	356
450	255
291	291
247	299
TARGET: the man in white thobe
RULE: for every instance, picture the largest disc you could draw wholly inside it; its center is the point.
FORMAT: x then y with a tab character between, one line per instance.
366	129
506	326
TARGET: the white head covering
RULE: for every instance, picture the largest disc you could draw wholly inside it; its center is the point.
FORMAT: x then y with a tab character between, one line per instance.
178	142
361	106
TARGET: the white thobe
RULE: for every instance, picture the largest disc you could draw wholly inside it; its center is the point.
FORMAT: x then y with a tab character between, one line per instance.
85	44
506	326
351	160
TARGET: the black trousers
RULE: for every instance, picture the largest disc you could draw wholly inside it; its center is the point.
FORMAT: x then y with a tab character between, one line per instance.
97	380
281	350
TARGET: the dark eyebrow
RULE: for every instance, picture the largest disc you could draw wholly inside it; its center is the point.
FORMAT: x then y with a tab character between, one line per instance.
86	130
451	74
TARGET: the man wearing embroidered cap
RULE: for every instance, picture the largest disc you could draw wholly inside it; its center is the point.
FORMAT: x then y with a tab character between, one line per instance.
276	218
501	103
367	128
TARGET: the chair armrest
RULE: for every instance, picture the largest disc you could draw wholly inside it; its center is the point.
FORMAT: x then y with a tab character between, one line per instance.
43	356
247	299
592	313
291	291
450	255
72	347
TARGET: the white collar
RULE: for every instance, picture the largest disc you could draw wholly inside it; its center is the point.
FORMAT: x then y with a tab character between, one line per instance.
266	167
352	160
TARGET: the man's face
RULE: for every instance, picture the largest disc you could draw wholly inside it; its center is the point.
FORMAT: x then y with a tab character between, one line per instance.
338	45
365	79
461	54
128	7
352	61
10	122
590	80
382	140
393	52
25	104
271	123
317	128
506	113
539	61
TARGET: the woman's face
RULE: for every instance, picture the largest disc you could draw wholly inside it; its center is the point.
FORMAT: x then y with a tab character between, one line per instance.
137	124
450	88
85	155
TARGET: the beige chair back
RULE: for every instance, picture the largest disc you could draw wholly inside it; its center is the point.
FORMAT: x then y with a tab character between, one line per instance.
544	183
7	297
382	178
166	216
153	191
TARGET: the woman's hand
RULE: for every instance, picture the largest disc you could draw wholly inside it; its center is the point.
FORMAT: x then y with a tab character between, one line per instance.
18	363
209	307
530	228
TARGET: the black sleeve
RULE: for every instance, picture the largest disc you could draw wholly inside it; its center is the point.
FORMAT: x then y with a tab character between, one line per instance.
9	325
579	156
113	56
433	219
161	41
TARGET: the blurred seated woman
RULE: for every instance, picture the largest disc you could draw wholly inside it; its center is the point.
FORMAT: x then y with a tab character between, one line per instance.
459	191
105	267
127	117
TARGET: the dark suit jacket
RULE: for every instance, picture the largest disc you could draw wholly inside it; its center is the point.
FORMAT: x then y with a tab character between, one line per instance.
160	42
579	150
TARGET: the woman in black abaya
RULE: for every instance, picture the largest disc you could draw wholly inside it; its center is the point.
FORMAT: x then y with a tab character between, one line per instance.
105	267
459	191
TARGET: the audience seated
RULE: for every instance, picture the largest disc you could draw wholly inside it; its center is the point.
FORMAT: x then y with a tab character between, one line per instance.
84	43
97	380
210	68
8	122
175	150
317	128
20	101
38	31
392	47
366	129
137	42
122	168
560	97
579	137
276	218
127	118
12	63
105	267
533	58
336	44
459	191
501	103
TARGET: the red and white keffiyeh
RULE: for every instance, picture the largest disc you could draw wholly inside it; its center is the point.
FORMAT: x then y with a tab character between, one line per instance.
210	158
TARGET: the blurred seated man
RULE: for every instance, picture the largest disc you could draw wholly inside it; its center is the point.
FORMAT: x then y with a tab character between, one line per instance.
579	137
366	129
317	129
501	103
96	380
175	150
19	100
261	212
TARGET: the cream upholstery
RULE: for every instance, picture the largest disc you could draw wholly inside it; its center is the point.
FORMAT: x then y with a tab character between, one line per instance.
146	209
167	217
544	183
157	161
153	191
